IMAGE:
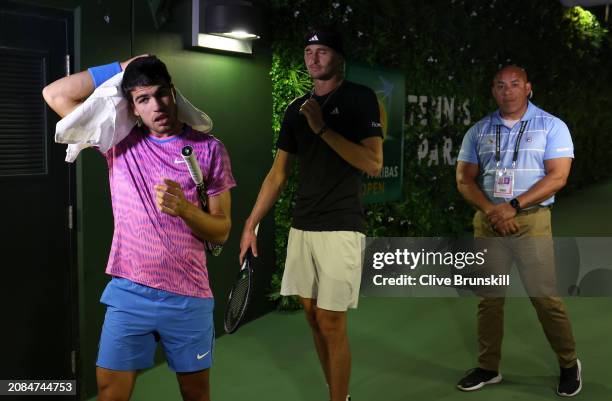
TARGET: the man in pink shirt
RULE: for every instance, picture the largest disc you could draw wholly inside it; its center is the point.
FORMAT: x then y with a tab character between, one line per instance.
159	291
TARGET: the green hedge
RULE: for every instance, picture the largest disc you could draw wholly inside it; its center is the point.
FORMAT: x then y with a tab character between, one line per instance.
452	48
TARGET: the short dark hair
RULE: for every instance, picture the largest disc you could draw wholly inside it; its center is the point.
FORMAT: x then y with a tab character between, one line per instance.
144	71
510	66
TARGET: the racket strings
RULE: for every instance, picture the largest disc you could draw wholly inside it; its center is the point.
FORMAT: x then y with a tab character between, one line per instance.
238	299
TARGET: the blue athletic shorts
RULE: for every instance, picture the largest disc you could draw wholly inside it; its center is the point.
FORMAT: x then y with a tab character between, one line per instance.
137	317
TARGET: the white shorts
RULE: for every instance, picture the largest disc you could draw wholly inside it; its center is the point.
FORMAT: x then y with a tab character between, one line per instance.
326	266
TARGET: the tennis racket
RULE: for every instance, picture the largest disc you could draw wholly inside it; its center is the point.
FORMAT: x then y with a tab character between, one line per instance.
196	176
240	294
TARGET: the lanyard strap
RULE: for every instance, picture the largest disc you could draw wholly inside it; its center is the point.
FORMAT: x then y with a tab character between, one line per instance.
516	145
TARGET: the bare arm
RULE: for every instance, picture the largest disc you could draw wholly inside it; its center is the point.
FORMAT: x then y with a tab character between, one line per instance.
366	156
270	190
557	171
466	184
469	189
213	225
68	93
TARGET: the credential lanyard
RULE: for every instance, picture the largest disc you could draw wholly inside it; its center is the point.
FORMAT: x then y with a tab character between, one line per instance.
516	145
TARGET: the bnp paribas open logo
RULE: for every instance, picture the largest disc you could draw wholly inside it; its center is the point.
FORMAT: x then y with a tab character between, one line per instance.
384	96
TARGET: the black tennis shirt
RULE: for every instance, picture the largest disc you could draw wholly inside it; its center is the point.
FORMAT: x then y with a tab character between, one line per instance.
329	188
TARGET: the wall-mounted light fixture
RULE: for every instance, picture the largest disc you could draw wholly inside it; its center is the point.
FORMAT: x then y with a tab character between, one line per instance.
229	25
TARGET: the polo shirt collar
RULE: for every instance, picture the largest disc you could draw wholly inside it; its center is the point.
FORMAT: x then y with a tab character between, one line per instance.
529	114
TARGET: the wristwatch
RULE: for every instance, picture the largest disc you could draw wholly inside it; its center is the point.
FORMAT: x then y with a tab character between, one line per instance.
515	204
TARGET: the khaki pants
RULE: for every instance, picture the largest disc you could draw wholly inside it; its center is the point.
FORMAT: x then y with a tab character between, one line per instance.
535	262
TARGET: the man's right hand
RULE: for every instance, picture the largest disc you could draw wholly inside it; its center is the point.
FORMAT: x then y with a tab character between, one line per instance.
507	227
247	241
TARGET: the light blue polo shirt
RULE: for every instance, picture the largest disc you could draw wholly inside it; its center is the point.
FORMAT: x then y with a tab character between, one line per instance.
545	137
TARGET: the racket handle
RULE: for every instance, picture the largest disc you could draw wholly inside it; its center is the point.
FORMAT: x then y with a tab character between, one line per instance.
249	254
202	196
192	165
196	175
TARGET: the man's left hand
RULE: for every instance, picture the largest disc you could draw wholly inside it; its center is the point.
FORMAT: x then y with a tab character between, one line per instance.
507	227
170	198
312	111
501	213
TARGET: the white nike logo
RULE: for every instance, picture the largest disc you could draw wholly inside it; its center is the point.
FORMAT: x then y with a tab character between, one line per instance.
202	356
179	161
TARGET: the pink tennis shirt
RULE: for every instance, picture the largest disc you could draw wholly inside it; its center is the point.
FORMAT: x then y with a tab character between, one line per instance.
150	247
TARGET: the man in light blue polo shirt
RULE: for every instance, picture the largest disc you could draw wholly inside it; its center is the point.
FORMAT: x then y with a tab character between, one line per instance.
510	166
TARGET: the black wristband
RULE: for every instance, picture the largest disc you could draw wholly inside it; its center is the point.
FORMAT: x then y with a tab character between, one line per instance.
322	130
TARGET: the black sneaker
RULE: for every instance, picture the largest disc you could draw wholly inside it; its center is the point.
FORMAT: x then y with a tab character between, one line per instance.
477	377
570	380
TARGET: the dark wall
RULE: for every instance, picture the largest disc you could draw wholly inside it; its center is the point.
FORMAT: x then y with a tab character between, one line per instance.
234	90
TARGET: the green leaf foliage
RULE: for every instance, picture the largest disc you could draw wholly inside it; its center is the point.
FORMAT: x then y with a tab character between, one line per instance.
452	49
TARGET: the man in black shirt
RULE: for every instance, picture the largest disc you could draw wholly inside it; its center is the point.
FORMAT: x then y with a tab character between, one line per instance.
335	132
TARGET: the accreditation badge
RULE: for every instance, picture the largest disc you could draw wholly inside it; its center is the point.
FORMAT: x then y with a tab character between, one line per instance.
504	183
